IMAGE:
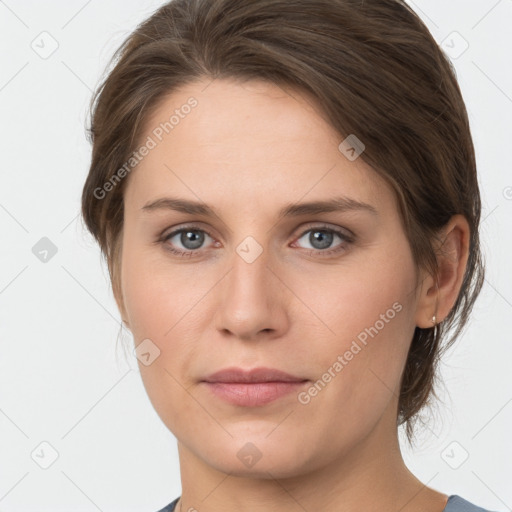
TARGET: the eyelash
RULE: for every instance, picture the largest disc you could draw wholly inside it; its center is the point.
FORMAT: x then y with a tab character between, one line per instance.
346	239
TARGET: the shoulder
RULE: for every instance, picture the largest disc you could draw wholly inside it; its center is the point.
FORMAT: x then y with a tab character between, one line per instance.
457	504
170	507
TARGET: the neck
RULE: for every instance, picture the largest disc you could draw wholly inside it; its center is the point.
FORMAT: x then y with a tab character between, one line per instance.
371	476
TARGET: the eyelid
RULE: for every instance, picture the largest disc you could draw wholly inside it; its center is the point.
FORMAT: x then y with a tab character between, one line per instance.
347	233
166	233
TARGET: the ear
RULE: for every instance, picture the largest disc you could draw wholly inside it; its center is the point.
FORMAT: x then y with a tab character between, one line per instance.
452	251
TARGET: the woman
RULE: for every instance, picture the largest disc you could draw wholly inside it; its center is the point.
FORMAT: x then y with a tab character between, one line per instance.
286	195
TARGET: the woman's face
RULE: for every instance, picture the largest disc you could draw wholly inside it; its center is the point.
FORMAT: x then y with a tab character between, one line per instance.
326	295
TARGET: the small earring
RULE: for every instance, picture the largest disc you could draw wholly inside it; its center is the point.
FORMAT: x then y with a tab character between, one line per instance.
434	320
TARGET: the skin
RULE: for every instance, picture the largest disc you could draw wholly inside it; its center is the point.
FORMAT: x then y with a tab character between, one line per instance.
248	149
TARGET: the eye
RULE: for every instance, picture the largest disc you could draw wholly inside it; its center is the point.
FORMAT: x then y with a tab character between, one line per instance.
187	241
190	238
321	239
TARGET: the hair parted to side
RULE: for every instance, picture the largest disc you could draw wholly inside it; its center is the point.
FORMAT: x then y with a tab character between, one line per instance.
375	71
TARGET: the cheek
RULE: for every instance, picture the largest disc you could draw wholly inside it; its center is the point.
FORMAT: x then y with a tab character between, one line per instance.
369	313
156	294
165	303
160	307
368	297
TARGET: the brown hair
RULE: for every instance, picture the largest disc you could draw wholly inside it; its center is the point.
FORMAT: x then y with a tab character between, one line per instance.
375	71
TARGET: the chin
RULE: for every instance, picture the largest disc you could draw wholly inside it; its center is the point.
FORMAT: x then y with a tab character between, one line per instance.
255	456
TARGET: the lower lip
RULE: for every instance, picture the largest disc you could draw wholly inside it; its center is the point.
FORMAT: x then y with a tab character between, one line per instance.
253	394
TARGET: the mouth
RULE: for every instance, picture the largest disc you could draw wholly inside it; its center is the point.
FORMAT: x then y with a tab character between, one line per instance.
252	388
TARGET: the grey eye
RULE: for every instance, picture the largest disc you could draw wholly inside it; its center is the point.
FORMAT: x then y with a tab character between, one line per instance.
190	239
319	238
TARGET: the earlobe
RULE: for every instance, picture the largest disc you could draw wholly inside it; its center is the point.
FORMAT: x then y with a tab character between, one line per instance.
438	297
428	303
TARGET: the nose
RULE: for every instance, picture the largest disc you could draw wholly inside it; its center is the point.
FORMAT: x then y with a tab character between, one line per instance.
252	302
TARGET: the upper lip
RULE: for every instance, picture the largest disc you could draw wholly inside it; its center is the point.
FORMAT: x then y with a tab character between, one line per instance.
254	375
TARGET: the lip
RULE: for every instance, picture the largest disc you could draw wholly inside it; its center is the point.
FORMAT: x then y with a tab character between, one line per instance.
252	388
255	375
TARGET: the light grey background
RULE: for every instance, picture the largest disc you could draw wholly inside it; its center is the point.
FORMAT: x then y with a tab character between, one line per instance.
64	380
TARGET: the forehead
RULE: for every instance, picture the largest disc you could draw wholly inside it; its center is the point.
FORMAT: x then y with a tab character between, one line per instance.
251	143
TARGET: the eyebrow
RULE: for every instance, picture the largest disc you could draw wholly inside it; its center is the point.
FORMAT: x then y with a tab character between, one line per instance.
337	204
